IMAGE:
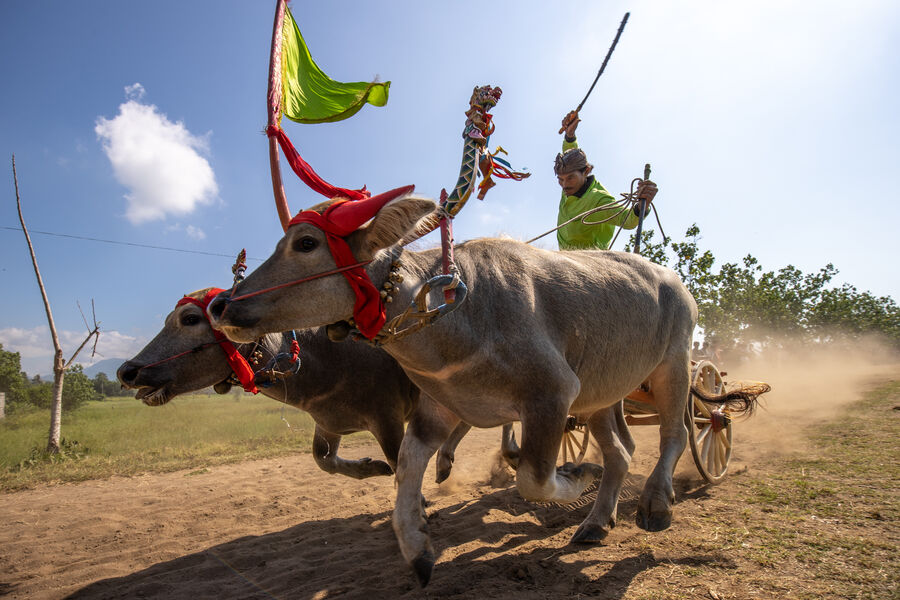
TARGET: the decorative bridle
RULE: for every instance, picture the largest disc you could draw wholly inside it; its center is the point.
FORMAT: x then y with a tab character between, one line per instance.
243	373
369	322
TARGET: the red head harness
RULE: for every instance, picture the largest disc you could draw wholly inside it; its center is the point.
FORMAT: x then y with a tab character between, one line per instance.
238	363
339	220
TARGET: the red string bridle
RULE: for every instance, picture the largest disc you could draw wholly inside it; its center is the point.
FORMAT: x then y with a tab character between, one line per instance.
238	363
340	219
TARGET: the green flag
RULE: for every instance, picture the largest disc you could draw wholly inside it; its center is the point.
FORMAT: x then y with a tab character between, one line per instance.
311	96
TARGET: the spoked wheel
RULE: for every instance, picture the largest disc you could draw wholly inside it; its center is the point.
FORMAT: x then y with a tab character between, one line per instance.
709	428
572	449
574	443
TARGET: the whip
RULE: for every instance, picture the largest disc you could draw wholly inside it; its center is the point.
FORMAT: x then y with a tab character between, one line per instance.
572	115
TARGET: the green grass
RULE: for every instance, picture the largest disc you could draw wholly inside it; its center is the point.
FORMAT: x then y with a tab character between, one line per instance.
832	514
121	436
822	523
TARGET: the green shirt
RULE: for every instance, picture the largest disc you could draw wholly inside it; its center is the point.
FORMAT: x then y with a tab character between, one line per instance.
578	236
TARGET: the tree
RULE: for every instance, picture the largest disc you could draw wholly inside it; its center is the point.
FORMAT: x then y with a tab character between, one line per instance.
60	366
78	389
741	304
11	381
105	387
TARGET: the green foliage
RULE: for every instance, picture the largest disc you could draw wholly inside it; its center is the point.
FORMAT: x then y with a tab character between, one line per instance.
68	450
741	304
106	387
77	388
12	381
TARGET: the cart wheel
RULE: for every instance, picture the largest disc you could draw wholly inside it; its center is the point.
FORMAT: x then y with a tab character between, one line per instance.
575	440
709	429
572	449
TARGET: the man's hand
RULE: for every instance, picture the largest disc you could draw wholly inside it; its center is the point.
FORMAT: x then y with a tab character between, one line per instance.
570	123
646	190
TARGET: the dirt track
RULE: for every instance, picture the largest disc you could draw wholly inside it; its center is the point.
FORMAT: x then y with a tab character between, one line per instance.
281	528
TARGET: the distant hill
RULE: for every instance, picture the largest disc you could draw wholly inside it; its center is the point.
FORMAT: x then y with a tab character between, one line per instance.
107	365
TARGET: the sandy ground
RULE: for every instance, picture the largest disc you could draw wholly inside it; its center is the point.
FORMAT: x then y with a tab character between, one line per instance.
280	528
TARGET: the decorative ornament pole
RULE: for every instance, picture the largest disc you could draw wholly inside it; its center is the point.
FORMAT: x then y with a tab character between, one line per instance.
274	111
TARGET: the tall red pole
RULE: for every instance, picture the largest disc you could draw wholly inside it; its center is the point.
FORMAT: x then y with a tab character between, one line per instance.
274	111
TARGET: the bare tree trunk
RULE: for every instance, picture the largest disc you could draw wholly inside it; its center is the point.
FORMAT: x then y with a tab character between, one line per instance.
59	363
59	374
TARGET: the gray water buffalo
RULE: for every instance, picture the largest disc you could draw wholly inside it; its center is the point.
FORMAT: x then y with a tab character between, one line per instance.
344	387
541	335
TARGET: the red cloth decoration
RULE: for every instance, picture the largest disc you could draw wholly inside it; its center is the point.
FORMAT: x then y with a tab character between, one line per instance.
306	173
338	221
238	363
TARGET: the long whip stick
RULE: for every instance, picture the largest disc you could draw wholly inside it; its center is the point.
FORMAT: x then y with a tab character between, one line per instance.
571	116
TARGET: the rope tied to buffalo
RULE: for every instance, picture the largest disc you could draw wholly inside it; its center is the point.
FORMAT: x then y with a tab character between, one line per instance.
628	202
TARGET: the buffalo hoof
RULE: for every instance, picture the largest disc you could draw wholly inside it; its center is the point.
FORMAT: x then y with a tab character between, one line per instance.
512	459
443	466
367	467
653	521
590	470
441	475
589	533
423	566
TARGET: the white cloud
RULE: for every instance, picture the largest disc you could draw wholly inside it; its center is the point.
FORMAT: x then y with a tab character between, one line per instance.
29	343
158	161
495	215
36	347
195	232
135	91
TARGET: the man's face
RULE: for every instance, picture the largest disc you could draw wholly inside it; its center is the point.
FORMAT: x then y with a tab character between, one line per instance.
572	181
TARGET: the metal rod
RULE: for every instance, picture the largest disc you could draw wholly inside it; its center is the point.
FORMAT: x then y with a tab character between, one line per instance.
640	225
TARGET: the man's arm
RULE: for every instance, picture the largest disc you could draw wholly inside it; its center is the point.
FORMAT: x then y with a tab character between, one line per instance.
570	124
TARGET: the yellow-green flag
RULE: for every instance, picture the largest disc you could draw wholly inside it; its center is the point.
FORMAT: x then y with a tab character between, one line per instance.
311	96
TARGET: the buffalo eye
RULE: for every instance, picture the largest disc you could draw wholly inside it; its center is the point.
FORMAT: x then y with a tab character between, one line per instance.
190	319
306	244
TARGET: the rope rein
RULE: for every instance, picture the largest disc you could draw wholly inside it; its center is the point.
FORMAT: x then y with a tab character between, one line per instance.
231	299
622	206
180	354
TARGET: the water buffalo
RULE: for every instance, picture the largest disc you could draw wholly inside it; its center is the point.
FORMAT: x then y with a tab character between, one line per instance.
344	387
541	335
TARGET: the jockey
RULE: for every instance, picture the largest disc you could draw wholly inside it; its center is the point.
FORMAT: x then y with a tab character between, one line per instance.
582	192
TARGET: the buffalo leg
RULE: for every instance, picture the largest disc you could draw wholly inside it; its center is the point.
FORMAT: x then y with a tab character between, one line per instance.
612	435
325	447
537	477
429	426
446	454
670	383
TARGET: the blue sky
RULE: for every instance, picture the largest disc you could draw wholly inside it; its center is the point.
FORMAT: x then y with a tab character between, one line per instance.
772	125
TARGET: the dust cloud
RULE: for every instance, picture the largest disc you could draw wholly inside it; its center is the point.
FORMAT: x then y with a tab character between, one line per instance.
811	383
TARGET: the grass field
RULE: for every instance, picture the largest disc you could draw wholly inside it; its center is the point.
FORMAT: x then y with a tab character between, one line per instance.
820	524
121	436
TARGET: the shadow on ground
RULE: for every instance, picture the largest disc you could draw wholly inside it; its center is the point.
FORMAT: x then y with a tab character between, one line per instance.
479	556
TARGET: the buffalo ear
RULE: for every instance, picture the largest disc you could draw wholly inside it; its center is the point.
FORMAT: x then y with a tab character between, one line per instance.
390	225
223	387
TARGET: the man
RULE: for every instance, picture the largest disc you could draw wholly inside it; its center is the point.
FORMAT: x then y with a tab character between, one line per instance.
582	192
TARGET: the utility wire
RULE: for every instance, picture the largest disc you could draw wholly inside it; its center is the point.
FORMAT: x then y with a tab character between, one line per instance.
92	239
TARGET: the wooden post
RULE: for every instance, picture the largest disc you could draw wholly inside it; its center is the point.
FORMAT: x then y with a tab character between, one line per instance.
2	405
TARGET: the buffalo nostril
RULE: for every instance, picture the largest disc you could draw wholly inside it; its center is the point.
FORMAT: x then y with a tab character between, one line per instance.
127	373
217	306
